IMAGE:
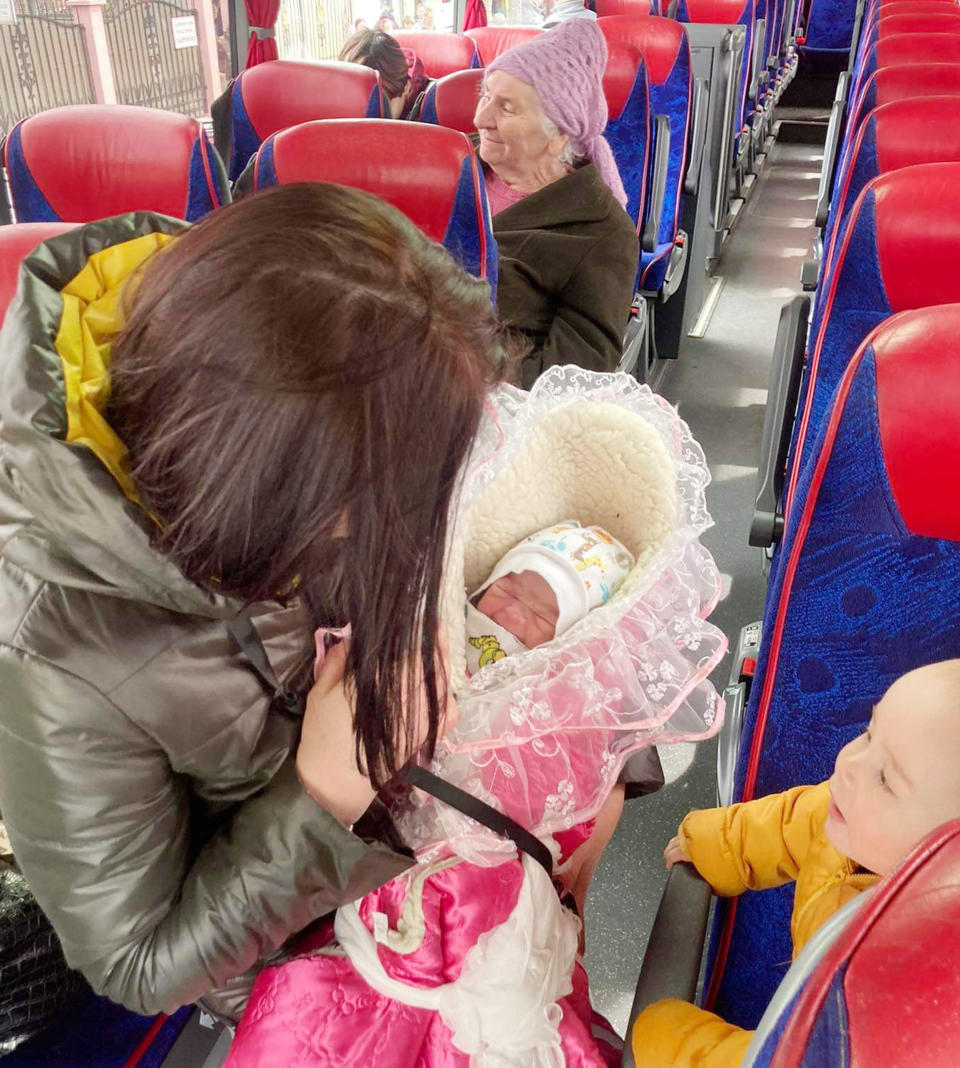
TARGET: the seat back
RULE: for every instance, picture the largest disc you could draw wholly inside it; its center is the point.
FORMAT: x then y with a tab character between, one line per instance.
610	8
728	13
908	7
16	243
628	125
898	83
429	173
873	993
87	161
440	53
452	101
493	41
900	134
899	50
896	252
867	583
887	23
665	48
830	26
285	92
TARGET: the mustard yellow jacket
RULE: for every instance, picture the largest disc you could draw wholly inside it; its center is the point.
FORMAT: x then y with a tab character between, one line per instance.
750	846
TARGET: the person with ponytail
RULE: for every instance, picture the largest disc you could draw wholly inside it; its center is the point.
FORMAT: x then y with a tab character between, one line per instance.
568	250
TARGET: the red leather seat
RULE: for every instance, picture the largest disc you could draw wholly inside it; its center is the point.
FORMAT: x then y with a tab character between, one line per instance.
16	243
452	101
900	49
902	82
88	161
440	53
493	41
609	8
429	173
282	93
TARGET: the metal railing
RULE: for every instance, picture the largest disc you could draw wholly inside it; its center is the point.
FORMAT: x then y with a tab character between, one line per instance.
147	68
43	61
312	29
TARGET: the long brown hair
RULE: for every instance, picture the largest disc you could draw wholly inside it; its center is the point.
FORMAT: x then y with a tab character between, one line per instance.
377	49
298	363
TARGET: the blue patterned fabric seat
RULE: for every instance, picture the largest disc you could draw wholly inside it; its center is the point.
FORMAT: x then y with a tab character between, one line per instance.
629	123
86	161
665	49
282	93
875	273
829	29
868	588
428	172
729	13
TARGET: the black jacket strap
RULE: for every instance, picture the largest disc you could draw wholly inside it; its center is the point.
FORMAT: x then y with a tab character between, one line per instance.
286	702
481	812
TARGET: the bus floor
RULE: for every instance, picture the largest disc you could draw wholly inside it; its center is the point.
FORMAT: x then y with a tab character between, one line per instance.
720	386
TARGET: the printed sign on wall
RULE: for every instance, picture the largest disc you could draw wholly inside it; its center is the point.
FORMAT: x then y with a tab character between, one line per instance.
184	31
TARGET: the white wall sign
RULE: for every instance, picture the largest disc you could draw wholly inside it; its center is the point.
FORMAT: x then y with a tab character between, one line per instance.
8	14
184	31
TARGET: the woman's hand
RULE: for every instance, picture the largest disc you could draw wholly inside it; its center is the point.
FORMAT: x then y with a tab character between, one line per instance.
675	853
326	757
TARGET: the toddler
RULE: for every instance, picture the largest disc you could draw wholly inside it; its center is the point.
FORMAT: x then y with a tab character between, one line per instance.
890	787
540	588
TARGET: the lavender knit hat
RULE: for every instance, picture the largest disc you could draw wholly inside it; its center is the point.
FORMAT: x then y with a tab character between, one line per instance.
565	66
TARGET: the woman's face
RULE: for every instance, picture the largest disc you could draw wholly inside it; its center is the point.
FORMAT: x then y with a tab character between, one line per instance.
509	119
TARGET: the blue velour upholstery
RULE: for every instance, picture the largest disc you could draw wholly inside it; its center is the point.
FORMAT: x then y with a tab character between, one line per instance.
629	137
29	203
859	601
830	26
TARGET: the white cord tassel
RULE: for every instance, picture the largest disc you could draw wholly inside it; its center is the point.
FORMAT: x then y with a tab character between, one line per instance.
503	1009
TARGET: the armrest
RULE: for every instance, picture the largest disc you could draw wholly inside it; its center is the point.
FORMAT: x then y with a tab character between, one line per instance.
759	32
830	149
728	742
785	371
855	36
671	963
658	182
698	135
809	275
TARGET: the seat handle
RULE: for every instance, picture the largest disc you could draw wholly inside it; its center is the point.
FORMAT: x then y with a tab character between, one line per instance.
831	149
658	183
784	389
698	135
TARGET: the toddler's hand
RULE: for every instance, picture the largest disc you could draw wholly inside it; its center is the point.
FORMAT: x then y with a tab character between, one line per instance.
675	853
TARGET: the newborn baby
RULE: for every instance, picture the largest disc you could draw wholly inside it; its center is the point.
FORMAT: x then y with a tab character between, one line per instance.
540	588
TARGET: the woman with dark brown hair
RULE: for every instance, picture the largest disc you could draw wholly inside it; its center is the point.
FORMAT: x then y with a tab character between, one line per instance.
269	443
401	72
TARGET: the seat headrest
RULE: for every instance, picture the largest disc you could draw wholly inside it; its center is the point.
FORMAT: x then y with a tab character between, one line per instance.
452	101
611	8
918	409
284	92
916	214
624	68
915	79
440	53
87	161
427	172
916	130
493	41
885	989
660	40
919	22
891	51
716	12
16	243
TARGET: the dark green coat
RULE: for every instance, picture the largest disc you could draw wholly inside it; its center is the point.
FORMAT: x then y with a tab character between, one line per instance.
568	268
147	785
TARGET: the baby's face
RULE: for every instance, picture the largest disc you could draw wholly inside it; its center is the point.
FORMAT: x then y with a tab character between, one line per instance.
523	604
900	779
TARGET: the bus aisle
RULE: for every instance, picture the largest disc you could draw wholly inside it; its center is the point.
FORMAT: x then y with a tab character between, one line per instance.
720	386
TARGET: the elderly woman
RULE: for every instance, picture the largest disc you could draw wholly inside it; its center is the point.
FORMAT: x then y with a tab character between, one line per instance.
568	250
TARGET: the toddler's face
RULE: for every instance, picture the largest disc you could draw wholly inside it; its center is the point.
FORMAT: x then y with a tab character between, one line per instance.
900	779
524	604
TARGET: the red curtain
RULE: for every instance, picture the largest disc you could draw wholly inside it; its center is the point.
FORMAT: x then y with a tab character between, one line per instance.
263	15
475	15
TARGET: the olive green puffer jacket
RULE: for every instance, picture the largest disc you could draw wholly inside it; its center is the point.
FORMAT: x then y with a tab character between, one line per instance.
147	787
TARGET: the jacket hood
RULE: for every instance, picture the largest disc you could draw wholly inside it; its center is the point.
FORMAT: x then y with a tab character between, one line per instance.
68	509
